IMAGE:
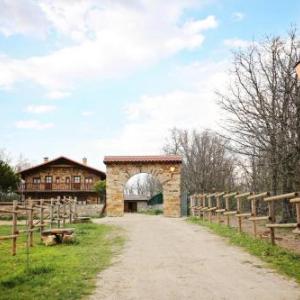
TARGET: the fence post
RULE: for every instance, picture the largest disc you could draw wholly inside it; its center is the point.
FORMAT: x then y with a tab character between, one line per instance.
58	212
227	209
272	220
70	210
41	217
75	207
254	214
209	207
30	223
51	213
14	227
238	206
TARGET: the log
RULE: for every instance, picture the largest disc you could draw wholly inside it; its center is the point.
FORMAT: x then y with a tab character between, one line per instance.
230	195
220	210
25	208
261	195
281	197
262	218
212	209
229	213
5	211
243	215
8	237
243	195
285	225
295	200
28	230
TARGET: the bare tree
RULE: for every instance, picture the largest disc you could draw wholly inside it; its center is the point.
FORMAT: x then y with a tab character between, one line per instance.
208	165
263	111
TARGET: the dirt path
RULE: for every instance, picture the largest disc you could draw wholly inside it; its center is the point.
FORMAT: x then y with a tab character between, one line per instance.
167	258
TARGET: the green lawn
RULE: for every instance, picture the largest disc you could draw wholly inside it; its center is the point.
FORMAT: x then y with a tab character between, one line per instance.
284	261
65	271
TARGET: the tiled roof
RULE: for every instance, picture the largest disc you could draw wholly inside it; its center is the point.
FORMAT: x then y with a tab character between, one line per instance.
143	159
62	158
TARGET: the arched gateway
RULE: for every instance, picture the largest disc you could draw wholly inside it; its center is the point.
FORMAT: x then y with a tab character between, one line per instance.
166	168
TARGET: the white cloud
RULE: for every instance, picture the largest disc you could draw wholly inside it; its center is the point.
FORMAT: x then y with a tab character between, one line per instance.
57	94
22	17
87	113
40	109
238	16
109	40
33	124
148	119
237	43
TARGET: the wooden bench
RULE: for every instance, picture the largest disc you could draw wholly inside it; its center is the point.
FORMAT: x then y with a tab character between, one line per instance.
59	233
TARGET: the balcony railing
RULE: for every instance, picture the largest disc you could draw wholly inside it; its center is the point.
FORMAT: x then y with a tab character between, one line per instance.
47	187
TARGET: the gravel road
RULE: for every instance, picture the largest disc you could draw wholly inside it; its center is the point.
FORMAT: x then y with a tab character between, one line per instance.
166	258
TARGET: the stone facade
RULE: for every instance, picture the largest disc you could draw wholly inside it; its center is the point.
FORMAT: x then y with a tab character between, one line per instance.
167	173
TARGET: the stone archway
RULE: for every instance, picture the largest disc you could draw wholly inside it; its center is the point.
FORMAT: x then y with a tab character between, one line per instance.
167	169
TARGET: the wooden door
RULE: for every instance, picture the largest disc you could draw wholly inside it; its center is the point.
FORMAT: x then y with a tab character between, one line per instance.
48	183
126	208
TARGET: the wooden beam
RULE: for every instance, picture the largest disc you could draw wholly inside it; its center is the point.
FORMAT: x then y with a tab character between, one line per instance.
257	196
230	195
295	200
285	225
243	195
262	218
281	197
8	237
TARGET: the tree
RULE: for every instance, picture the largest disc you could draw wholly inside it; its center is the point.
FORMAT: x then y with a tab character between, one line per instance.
207	164
263	111
100	188
9	180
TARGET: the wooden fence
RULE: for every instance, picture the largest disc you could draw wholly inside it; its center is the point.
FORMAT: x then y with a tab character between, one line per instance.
60	211
229	205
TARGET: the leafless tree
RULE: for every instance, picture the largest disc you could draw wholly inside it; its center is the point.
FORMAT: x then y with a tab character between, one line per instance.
263	108
208	165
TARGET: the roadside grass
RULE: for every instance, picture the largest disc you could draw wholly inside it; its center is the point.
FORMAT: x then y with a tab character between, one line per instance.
284	261
65	271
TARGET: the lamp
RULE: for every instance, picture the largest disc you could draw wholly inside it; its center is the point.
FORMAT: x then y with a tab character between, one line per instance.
172	169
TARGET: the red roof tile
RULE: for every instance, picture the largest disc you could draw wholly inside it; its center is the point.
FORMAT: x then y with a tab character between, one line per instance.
143	159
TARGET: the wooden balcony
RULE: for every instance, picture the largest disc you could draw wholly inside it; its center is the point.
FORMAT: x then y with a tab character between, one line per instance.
57	187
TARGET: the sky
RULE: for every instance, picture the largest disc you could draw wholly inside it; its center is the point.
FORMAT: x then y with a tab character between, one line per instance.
88	78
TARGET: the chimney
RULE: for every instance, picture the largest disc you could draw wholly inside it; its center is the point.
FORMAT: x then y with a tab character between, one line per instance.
84	161
46	159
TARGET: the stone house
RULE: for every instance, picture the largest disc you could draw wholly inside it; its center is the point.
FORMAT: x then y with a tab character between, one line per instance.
61	177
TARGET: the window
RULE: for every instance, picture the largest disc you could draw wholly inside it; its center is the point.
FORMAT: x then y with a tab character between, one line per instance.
36	180
76	179
48	179
57	179
88	180
67	179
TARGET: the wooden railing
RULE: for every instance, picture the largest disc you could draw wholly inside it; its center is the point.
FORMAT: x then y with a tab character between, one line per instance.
43	186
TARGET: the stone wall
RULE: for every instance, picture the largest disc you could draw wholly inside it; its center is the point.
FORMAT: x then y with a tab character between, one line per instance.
119	173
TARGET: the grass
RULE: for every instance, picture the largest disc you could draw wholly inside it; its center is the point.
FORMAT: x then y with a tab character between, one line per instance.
284	261
65	271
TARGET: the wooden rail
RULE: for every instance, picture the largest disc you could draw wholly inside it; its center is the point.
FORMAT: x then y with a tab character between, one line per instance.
30	206
252	215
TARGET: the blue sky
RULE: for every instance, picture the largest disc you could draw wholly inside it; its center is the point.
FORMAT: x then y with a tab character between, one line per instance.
93	78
